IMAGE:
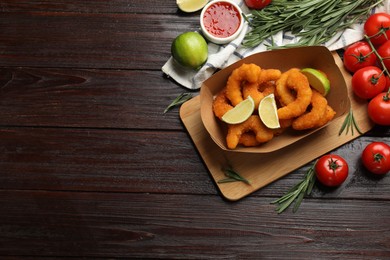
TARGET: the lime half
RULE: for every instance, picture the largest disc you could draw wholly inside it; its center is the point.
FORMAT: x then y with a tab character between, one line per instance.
317	80
189	6
268	112
190	50
240	113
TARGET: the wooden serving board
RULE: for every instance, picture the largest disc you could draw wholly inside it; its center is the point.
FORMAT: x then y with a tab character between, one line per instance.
263	168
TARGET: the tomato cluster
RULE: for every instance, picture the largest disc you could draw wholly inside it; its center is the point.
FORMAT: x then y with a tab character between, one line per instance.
332	169
369	62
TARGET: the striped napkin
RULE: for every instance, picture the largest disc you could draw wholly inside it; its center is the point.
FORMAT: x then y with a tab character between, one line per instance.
221	56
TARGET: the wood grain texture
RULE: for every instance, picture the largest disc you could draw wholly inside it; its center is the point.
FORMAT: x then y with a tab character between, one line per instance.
149	225
120	41
143	161
91	168
96	6
87	98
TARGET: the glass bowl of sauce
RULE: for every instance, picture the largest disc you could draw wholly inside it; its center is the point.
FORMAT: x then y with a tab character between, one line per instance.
221	21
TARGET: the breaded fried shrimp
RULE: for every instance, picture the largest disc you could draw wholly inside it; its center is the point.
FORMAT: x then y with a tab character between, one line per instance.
285	94
252	124
300	84
248	73
298	106
258	92
310	119
248	139
221	104
329	115
269	75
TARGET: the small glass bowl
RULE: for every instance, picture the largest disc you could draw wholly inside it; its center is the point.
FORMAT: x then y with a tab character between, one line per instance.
216	39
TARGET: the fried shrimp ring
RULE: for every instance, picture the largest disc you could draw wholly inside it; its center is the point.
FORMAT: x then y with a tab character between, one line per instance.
284	125
221	104
300	84
310	119
248	73
258	92
264	86
269	75
252	124
248	139
284	94
329	115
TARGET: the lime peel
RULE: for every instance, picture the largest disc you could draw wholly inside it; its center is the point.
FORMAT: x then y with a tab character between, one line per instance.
190	6
190	50
268	112
240	113
317	80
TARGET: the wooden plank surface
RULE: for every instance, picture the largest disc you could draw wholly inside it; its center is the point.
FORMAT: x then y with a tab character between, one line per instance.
139	227
87	98
91	168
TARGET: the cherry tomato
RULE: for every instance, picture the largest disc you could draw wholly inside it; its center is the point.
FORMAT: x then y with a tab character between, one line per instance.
376	23
387	84
379	109
331	170
384	52
368	82
376	157
359	55
257	4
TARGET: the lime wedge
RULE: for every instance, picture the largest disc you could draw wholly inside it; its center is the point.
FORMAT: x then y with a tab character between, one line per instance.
268	112
317	80
240	113
189	6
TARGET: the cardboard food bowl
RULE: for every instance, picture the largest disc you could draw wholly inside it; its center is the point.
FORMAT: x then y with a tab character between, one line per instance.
317	57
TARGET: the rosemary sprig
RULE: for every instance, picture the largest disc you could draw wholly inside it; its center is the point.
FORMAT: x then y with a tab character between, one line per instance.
232	176
183	97
349	124
297	192
313	22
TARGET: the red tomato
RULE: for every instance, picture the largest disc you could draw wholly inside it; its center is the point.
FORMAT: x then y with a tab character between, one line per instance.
378	24
387	84
257	4
331	170
379	109
358	55
384	52
376	157
368	82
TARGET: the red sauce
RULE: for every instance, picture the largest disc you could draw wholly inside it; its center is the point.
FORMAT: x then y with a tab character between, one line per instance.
221	19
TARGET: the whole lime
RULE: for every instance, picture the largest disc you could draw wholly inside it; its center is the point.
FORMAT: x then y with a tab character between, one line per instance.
190	50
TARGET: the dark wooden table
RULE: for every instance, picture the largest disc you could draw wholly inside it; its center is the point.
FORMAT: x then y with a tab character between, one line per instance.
91	167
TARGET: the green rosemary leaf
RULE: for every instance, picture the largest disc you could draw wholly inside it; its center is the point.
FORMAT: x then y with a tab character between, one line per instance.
283	206
298	201
298	192
287	196
307	11
356	125
344	125
232	176
312	182
226	180
306	16
349	124
183	97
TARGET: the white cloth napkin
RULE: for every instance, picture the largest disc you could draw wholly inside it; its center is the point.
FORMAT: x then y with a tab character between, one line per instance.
221	56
